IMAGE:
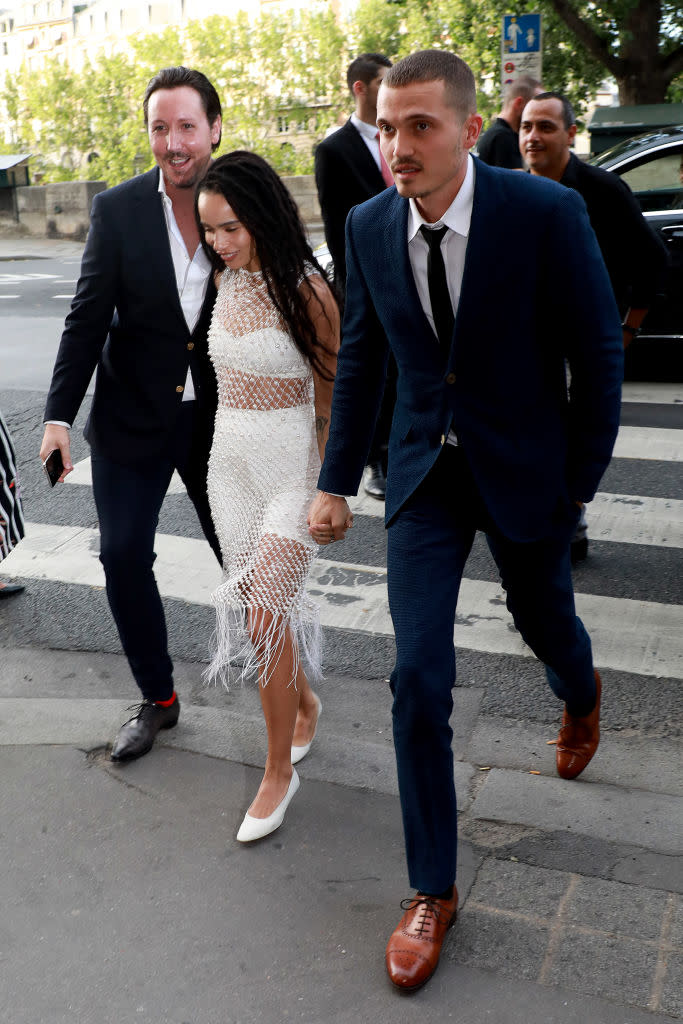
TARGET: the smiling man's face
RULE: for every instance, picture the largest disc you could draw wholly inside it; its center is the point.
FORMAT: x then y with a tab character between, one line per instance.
180	135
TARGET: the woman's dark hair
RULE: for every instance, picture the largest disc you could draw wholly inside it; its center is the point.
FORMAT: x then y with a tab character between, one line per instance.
264	206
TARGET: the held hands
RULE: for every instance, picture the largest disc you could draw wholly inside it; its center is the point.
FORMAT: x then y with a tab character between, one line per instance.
329	518
56	436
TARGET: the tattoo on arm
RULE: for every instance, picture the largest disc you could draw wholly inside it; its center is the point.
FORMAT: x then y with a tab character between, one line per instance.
320	424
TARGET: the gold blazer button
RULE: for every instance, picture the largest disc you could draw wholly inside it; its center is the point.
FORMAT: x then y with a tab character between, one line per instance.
450	378
180	389
190	346
443	439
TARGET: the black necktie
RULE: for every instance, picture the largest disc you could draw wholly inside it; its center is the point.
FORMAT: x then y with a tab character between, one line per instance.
442	310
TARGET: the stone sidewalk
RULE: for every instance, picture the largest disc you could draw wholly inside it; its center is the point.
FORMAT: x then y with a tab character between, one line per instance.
128	898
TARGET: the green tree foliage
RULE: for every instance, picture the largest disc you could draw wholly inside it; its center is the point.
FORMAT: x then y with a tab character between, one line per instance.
472	29
639	42
281	77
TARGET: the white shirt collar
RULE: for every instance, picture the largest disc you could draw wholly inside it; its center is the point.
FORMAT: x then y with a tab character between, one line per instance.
368	130
458	215
162	187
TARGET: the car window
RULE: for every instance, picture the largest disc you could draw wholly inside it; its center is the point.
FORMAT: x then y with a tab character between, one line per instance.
657	180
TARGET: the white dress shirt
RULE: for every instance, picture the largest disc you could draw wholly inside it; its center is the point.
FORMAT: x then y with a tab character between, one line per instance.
453	247
368	133
191	275
453	244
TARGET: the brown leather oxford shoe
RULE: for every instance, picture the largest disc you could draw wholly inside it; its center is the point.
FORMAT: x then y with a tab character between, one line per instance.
414	948
578	739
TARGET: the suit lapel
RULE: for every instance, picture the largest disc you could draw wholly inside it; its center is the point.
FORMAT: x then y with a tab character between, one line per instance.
396	241
483	227
361	158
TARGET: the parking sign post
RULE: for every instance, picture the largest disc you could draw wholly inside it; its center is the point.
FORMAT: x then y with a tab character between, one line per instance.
521	47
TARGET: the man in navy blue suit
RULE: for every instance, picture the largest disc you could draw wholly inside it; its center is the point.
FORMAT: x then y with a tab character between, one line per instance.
484	283
140	316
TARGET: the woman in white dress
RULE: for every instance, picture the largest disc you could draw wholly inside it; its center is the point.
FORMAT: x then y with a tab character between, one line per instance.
273	343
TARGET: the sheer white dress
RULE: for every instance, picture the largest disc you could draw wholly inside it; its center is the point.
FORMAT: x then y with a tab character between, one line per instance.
262	476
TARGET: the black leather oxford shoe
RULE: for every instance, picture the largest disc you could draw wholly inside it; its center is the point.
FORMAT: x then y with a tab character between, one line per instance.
137	736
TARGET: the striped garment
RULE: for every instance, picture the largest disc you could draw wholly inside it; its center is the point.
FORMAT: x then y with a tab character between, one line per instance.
11	515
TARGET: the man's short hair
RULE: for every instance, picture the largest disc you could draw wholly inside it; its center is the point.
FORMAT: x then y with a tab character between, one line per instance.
568	115
524	86
365	67
174	78
433	66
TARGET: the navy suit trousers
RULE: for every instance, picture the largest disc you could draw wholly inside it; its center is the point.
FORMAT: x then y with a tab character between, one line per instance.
128	499
428	544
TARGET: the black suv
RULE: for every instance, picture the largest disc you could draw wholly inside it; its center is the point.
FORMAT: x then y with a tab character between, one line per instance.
652	165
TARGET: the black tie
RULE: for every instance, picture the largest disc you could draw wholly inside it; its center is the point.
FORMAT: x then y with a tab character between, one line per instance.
442	310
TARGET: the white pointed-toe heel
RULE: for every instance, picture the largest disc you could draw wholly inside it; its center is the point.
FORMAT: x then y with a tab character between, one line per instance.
298	753
256	828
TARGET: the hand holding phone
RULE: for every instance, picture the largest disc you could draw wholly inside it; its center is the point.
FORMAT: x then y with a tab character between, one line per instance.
53	466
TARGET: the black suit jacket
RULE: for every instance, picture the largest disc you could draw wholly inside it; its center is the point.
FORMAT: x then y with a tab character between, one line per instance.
345	175
636	260
126	321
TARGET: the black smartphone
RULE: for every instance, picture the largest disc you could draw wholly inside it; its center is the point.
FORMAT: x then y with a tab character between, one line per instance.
53	466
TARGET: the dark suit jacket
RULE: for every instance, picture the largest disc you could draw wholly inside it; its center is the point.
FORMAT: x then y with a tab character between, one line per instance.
534	292
126	321
499	146
345	175
636	259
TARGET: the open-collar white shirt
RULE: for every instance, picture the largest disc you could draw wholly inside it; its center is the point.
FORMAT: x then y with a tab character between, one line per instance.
368	133
191	275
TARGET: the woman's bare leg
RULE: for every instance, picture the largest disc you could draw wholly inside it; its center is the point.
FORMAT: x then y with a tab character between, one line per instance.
280	702
286	698
307	714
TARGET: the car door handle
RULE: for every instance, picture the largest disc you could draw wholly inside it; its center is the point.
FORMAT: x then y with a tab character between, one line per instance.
672	232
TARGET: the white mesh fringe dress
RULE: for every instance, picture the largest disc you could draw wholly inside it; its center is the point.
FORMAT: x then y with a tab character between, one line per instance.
262	476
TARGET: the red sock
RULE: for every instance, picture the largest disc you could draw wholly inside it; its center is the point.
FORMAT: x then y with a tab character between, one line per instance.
166	703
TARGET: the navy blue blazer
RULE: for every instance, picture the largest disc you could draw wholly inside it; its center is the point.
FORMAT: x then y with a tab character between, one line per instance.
535	293
126	321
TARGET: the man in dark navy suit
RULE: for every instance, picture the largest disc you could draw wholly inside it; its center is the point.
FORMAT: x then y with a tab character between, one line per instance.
140	316
485	436
349	168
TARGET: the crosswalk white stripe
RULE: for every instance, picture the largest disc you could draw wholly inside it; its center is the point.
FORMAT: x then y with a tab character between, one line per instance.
657	393
657	443
630	519
634	636
619	518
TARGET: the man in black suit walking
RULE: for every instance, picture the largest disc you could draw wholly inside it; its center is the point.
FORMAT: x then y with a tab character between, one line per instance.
499	145
140	316
349	169
635	258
